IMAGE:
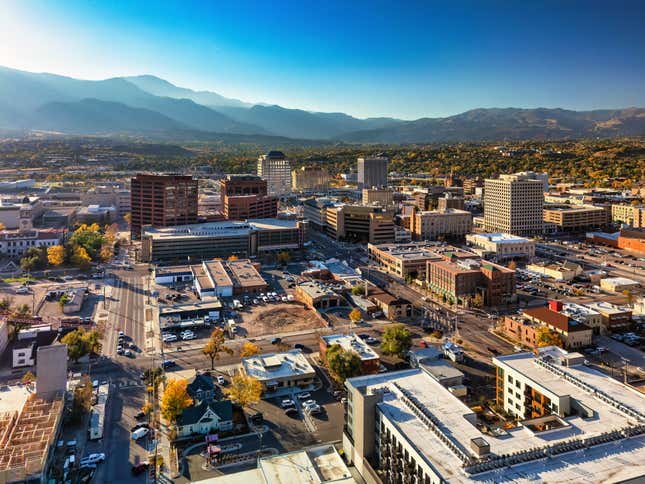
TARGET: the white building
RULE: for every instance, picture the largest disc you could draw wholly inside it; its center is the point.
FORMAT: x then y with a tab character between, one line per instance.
372	172
274	167
503	246
514	204
430	224
20	212
406	427
280	371
15	243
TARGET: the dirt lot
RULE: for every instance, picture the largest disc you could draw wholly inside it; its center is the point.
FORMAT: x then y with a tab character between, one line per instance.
278	318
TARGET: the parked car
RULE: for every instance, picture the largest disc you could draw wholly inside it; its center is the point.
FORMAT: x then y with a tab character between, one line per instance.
169	338
313	409
168	364
276	341
93	459
287	402
257	418
299	346
309	403
140	416
304	396
140	433
221	380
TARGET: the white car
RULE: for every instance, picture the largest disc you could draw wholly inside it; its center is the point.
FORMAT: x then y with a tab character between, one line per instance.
309	403
167	338
287	402
187	335
23	290
220	380
304	396
93	459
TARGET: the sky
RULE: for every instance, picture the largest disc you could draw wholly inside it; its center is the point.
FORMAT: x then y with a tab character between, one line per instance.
404	59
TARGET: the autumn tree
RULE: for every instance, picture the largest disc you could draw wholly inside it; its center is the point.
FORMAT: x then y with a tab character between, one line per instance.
80	258
358	290
80	343
355	315
244	390
629	295
512	265
5	304
478	301
147	408
249	349
82	402
215	346
106	253
28	378
397	340
56	255
284	258
342	364
128	218
175	399
548	337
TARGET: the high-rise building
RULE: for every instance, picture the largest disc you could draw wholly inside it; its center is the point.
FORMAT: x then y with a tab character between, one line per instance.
274	167
162	201
245	197
372	172
514	204
309	179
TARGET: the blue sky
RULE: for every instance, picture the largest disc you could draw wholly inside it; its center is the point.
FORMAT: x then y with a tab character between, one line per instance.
405	59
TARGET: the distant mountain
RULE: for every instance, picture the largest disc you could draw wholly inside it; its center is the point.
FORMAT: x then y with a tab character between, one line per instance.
155	107
161	87
90	116
511	124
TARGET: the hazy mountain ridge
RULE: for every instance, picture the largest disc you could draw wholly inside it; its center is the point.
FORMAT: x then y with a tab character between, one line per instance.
150	105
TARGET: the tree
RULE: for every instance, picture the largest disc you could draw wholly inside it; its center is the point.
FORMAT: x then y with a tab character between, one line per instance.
396	340
284	258
548	337
355	315
64	299
80	343
106	253
56	255
22	312
175	399
478	301
249	349
215	346
90	238
358	290
244	390
512	265
147	408
153	378
28	378
80	258
30	261
93	341
82	402
128	218
343	364
5	304
232	257
630	297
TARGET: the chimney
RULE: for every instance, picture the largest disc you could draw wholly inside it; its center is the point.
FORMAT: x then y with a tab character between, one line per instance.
555	305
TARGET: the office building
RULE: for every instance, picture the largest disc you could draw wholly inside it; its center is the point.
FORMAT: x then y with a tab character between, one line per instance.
502	246
162	201
450	201
310	179
20	212
245	197
406	426
372	172
378	196
632	215
576	218
108	195
460	279
280	371
613	317
514	204
275	168
316	295
559	271
358	223
315	211
15	243
433	224
256	237
574	334
403	260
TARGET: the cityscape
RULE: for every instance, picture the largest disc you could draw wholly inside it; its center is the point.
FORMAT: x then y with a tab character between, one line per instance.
200	288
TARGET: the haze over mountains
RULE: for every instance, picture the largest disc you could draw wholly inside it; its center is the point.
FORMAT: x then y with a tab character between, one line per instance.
149	106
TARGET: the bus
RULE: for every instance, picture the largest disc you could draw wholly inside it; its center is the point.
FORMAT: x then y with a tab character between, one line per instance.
97	415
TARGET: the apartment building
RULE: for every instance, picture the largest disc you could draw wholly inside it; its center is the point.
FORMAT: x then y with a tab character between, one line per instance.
459	280
275	168
574	334
372	172
162	201
449	223
255	237
576	218
403	260
405	426
377	196
245	197
632	215
514	204
502	246
309	179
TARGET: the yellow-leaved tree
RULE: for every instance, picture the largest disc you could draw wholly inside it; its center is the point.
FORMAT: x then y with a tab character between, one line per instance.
175	399
249	349
56	255
244	390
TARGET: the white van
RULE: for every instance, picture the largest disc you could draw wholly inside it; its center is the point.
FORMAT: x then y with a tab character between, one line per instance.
140	433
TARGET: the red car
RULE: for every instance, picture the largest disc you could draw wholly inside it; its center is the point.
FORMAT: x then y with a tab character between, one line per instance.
140	468
423	344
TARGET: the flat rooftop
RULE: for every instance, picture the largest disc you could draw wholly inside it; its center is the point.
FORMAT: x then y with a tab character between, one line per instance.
215	269
244	273
603	307
351	342
501	238
272	366
601	463
315	290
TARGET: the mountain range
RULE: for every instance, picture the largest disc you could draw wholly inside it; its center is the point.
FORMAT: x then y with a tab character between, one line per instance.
149	106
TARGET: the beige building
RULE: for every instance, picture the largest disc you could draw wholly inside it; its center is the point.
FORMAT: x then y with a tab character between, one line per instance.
633	215
503	246
514	204
381	228
280	371
568	218
274	167
309	179
447	223
559	271
450	201
359	223
403	260
619	284
378	196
